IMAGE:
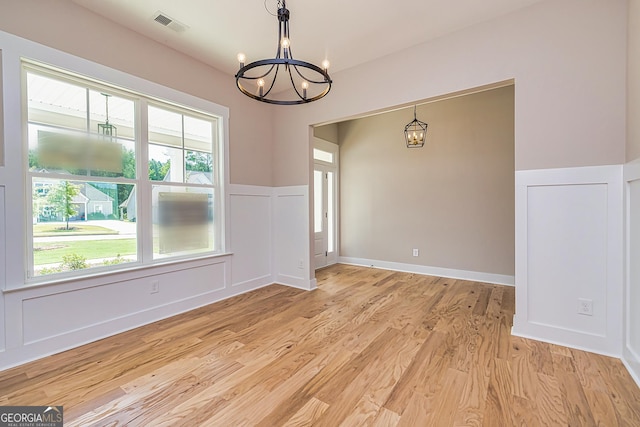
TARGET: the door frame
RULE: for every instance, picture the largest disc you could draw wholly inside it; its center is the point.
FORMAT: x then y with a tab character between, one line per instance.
326	167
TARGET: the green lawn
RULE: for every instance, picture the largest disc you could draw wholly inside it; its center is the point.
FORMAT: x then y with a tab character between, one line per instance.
52	252
75	229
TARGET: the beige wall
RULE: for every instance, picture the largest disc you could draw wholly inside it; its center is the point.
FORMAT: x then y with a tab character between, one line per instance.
453	199
327	132
65	26
633	82
568	59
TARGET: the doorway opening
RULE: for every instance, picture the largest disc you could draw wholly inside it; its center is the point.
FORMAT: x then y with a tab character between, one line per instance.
325	203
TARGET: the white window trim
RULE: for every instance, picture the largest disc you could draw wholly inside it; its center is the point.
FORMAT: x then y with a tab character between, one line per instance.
14	51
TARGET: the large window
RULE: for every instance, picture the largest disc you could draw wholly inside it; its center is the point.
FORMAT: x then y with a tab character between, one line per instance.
117	179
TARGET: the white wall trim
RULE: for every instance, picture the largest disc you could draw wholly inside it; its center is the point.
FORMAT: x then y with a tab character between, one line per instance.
572	179
630	357
43	348
476	276
291	249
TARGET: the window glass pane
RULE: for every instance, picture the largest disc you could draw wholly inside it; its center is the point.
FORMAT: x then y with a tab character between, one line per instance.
322	155
330	219
198	134
165	127
66	137
82	135
80	225
57	103
199	167
165	164
56	150
121	116
183	221
317	201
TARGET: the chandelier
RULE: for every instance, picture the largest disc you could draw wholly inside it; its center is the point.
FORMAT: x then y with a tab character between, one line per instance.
267	80
415	132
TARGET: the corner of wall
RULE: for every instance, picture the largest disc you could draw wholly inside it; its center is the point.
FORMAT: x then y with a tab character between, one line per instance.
569	240
631	343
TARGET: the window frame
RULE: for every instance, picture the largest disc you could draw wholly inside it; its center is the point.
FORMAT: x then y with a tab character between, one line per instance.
148	94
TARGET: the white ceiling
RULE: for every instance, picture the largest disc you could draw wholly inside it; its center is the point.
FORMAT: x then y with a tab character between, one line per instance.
346	32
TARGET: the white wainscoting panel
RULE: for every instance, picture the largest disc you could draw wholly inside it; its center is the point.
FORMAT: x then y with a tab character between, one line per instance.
43	320
3	263
99	304
251	235
291	237
631	351
569	247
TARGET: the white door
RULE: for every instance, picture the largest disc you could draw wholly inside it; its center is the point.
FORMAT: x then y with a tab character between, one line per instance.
325	187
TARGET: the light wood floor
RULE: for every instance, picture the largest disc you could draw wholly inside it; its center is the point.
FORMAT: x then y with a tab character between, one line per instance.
369	347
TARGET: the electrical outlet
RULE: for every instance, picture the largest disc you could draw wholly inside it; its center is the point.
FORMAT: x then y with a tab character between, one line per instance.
585	306
416	252
155	287
300	263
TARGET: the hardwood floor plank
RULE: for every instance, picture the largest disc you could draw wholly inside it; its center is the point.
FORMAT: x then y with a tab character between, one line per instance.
500	399
524	367
446	402
385	418
307	415
368	347
418	409
549	401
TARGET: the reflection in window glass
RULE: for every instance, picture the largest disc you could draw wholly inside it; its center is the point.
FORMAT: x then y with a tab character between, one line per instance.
120	114
82	225
71	132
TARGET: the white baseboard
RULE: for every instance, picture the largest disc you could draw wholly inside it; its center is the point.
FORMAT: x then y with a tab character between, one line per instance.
256	283
498	279
552	336
632	362
40	349
296	282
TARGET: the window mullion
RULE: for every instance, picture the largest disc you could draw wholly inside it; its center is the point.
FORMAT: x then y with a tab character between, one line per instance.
144	220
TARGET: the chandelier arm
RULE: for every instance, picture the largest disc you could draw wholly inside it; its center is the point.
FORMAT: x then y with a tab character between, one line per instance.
258	77
273	82
311	80
294	85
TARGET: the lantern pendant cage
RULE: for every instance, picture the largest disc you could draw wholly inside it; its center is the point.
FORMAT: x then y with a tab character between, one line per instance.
107	129
415	133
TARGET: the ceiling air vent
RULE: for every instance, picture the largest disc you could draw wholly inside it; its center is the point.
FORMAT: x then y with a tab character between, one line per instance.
164	20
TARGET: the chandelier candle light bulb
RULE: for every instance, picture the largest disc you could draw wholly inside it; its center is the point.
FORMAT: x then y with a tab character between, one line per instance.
241	59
